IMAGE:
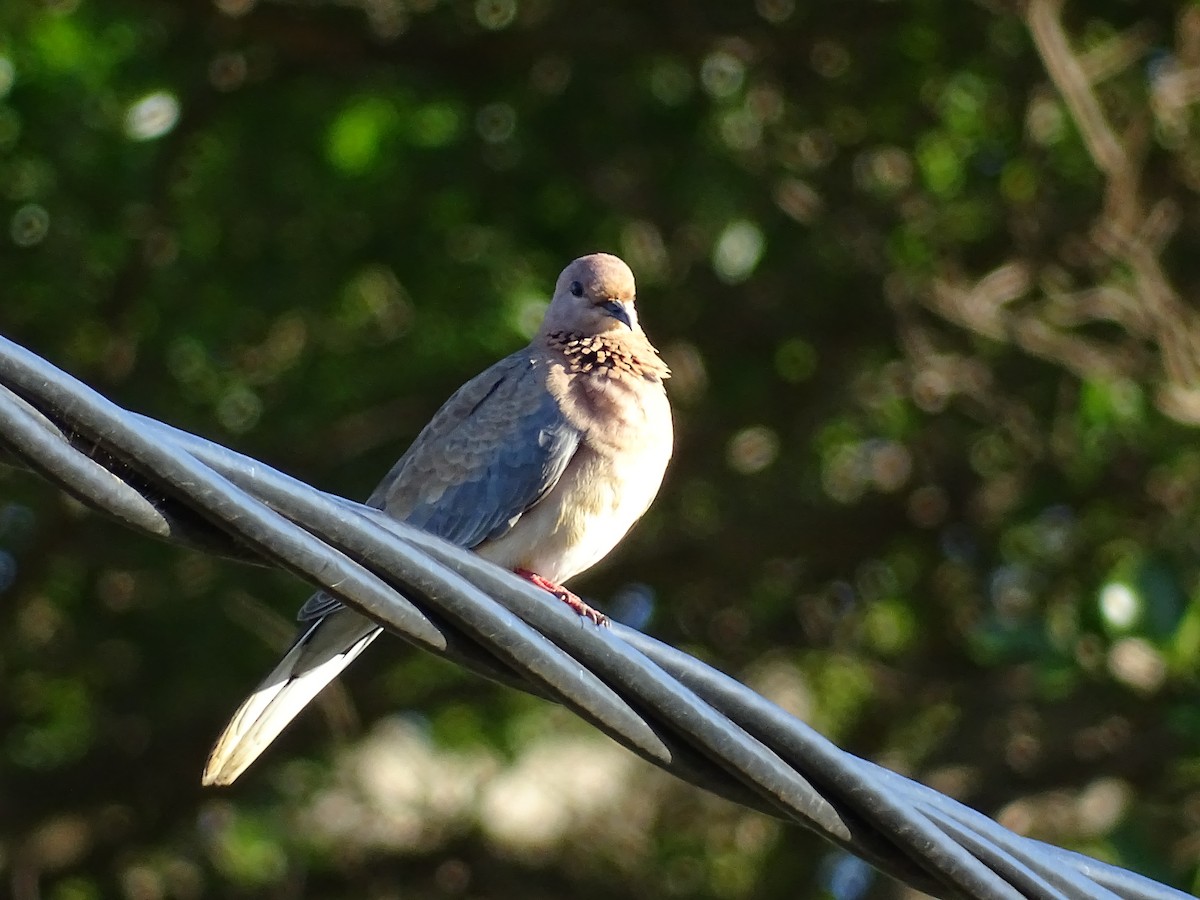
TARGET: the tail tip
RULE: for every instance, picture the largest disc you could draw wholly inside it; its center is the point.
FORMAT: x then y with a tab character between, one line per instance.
219	772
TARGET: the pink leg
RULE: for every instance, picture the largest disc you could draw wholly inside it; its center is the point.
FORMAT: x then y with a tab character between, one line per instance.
571	599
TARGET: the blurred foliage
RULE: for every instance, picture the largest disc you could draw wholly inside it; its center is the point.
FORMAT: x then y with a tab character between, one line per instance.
924	272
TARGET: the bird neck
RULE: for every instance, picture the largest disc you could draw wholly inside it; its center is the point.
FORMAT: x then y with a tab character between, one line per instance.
630	354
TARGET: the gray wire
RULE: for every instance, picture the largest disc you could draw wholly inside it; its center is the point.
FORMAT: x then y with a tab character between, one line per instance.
659	702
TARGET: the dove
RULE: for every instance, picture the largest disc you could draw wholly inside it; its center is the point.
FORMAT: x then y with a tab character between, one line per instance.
540	464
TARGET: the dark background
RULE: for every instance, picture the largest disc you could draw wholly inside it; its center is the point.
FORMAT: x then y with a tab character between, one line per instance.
937	376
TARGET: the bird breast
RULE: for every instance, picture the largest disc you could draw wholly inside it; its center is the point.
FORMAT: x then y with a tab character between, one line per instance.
606	487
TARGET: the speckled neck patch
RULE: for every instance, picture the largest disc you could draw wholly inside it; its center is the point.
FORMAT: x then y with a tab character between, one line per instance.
599	353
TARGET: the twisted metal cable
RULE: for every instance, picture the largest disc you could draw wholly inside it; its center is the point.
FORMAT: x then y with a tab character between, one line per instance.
665	706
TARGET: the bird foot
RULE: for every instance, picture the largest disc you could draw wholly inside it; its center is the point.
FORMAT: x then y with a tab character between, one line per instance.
568	597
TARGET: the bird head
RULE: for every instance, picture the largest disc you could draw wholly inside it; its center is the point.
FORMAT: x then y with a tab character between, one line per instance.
594	295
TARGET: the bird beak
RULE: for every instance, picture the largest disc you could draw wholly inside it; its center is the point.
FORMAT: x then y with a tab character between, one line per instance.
617	310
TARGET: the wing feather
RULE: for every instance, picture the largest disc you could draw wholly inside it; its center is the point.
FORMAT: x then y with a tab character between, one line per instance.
496	447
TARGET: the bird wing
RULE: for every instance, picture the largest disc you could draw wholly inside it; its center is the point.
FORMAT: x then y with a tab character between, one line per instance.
489	454
496	447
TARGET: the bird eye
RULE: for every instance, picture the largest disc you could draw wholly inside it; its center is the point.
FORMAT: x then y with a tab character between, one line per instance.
576	289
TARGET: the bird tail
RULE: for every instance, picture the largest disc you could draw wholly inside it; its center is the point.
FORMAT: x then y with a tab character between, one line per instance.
319	654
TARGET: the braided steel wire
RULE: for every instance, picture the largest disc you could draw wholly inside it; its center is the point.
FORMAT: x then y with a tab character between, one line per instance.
662	704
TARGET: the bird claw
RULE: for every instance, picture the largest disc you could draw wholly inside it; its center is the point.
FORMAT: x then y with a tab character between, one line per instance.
568	597
572	600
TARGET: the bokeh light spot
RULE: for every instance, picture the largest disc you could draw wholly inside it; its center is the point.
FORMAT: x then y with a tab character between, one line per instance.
633	605
797	199
829	59
8	570
8	75
689	375
239	409
775	11
496	122
495	14
235	8
753	449
741	130
847	877
795	360
29	226
357	135
1119	605
436	125
1137	663
891	465
152	116
528	312
722	74
738	250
